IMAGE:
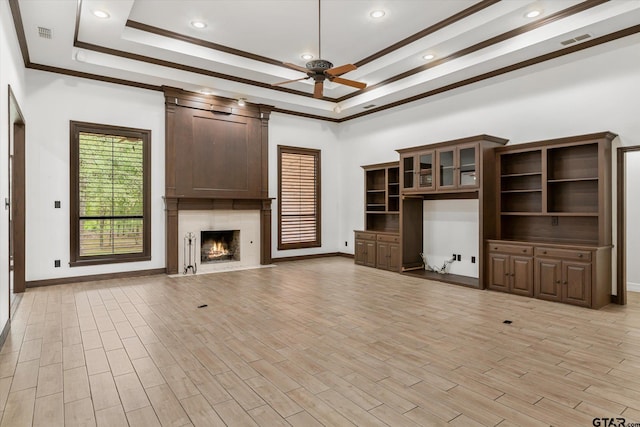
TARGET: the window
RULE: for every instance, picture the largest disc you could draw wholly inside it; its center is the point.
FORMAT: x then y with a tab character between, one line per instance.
298	198
110	194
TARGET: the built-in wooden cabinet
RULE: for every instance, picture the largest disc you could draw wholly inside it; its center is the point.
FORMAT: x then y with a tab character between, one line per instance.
379	250
555	196
382	197
379	244
457	169
510	268
451	167
388	252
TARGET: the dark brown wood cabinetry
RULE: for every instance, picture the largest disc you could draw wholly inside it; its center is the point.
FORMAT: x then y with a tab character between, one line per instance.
510	268
555	197
457	169
379	244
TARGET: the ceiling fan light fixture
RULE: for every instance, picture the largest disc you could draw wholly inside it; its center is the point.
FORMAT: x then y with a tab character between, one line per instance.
102	14
199	24
377	14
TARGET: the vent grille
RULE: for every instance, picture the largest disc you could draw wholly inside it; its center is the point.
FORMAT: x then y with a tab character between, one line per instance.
45	33
575	39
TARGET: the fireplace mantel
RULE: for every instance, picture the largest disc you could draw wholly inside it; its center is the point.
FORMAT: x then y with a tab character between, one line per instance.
216	158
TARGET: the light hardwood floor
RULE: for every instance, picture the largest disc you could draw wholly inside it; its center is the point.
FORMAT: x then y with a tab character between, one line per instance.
309	343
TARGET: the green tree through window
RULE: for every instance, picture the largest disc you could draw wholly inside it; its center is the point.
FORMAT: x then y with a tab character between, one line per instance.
111	185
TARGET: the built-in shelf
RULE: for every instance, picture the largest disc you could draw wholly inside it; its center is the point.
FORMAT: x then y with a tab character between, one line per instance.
535	190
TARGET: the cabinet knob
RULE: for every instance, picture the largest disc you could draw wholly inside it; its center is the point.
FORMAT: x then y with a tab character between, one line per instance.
557	281
565	282
579	255
506	274
495	249
544	252
524	250
513	274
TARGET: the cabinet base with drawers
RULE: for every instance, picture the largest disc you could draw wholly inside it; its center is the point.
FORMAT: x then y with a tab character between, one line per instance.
578	275
379	250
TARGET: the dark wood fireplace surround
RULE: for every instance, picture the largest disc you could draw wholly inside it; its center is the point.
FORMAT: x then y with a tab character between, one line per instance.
216	158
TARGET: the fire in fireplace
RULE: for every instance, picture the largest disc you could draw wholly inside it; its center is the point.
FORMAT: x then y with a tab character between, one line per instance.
219	246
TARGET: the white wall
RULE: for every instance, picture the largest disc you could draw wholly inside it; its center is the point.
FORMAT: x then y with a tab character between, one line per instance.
590	91
11	73
633	214
54	100
451	227
306	133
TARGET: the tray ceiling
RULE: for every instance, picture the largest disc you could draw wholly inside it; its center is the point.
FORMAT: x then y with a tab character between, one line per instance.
240	51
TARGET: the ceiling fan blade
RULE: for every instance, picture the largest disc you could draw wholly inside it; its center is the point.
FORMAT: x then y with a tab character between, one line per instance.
295	67
290	81
348	82
317	90
337	71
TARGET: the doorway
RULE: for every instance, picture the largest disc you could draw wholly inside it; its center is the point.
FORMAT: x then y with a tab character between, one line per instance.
15	202
628	174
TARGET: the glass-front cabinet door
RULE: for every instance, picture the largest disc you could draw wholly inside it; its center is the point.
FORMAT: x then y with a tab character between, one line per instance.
467	166
425	171
446	168
408	173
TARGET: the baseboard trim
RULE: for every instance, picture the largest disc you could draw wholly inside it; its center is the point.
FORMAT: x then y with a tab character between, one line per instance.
5	332
313	256
633	287
94	277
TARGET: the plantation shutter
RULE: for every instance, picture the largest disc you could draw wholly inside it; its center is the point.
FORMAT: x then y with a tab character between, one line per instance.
110	194
299	198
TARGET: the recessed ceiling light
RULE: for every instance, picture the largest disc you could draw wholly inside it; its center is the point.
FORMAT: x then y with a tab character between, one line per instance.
533	13
306	56
377	14
198	24
102	14
428	56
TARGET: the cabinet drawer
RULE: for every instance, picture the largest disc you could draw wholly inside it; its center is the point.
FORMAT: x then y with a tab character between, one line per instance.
563	253
388	238
363	235
510	249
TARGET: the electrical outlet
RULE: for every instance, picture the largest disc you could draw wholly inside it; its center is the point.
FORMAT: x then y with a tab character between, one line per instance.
56	263
459	257
346	243
56	204
455	256
473	260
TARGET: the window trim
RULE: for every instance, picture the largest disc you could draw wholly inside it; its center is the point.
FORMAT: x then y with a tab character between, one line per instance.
75	259
318	241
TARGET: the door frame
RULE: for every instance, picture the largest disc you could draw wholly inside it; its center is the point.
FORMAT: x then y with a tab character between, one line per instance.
621	259
16	197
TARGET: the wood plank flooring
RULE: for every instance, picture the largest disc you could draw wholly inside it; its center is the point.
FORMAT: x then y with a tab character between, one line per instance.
312	343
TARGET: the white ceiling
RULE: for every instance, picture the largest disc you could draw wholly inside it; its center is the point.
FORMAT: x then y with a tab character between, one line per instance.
240	52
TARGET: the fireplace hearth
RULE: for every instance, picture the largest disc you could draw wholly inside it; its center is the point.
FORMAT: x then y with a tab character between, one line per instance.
219	246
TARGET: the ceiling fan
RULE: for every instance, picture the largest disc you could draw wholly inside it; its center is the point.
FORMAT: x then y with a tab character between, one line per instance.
320	70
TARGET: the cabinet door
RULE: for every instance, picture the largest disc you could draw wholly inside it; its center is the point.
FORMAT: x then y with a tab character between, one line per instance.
467	166
370	253
446	178
408	164
521	273
547	279
394	257
499	272
576	283
382	256
425	167
361	252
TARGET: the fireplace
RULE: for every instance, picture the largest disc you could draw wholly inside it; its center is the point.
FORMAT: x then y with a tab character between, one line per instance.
219	246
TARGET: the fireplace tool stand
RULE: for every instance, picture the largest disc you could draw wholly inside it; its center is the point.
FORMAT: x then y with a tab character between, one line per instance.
190	249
